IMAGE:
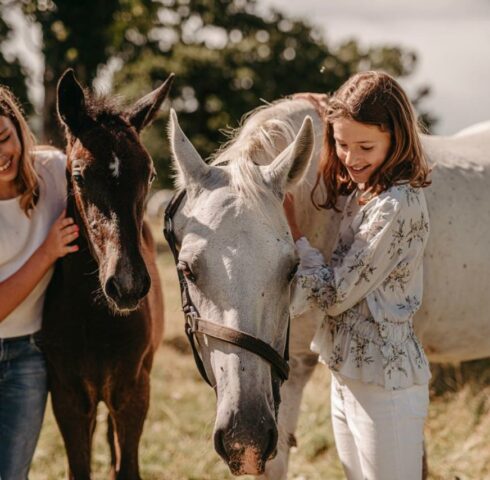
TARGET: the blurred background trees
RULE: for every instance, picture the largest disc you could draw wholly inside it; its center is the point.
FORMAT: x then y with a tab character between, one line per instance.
12	74
229	56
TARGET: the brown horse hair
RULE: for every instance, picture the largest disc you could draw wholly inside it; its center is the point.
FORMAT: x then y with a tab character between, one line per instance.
372	98
27	182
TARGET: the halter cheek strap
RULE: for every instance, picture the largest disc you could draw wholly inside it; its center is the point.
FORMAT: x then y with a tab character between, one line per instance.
194	324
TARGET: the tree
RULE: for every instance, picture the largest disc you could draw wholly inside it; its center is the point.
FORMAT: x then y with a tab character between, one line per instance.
12	74
84	36
226	54
227	57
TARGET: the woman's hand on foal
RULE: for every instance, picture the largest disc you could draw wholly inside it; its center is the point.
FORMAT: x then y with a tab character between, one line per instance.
62	233
291	216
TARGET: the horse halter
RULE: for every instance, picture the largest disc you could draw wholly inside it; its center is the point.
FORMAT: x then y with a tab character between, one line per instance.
195	324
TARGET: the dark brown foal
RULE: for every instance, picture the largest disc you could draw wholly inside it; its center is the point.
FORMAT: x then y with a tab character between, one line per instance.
103	315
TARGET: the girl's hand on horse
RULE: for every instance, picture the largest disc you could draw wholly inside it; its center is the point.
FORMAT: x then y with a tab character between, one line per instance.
62	233
291	216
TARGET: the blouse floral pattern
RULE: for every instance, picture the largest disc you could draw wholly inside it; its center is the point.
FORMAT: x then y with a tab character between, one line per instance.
370	290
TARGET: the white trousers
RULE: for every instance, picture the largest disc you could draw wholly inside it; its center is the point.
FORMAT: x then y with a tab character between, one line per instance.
379	434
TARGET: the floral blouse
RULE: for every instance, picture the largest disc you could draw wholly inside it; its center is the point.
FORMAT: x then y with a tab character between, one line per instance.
370	290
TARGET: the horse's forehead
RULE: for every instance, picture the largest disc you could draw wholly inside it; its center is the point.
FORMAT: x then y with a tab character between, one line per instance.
108	152
112	135
221	224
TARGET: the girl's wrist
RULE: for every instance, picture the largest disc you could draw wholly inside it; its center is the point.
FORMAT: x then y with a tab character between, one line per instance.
45	255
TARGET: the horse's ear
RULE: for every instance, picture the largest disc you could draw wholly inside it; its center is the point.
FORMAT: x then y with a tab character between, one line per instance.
144	110
71	106
190	167
290	165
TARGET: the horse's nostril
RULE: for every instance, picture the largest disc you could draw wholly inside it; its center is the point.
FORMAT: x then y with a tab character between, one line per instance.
145	285
271	450
219	444
112	288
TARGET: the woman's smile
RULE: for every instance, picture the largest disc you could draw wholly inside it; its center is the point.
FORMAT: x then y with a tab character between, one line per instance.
5	166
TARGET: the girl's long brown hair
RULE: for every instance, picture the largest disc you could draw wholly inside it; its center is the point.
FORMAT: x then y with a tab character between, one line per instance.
27	182
373	98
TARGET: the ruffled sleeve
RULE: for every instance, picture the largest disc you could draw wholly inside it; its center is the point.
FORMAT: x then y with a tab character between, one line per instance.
373	254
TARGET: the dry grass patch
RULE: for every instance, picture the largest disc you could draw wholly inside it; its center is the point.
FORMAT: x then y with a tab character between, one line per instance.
177	440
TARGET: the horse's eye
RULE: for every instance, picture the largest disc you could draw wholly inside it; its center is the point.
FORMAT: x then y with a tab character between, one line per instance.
185	269
78	178
292	273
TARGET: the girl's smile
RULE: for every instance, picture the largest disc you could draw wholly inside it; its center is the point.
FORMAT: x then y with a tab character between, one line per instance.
362	148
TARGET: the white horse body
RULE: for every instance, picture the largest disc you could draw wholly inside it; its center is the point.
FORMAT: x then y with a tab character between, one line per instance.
453	321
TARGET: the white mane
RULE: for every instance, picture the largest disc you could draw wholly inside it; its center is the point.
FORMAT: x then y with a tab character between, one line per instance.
265	133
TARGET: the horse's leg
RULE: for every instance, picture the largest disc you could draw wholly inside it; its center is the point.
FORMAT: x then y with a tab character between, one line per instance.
302	363
75	413
114	448
129	406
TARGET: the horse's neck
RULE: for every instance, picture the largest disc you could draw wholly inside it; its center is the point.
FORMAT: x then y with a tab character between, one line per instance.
320	226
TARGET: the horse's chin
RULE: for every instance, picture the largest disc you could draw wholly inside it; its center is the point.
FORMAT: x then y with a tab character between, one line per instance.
121	309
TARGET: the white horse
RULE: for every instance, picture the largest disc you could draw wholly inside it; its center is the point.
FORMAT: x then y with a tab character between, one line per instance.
234	235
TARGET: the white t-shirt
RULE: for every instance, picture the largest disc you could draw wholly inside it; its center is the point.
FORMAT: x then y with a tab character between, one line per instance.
20	236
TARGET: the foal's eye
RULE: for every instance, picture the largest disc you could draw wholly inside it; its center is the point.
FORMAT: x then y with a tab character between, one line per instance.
185	269
78	178
292	273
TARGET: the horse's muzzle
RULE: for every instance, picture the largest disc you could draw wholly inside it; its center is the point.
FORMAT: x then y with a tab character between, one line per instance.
127	295
246	457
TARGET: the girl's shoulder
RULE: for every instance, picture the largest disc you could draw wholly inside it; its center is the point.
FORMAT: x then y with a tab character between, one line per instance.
49	160
45	155
403	195
398	200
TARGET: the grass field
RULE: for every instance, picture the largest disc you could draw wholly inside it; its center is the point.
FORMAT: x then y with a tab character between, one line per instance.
177	440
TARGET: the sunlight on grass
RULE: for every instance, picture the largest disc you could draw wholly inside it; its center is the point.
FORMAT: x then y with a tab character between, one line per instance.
177	440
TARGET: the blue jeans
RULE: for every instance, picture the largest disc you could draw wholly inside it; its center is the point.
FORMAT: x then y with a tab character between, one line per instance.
23	393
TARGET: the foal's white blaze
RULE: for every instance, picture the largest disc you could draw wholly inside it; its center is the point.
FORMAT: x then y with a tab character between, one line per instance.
114	166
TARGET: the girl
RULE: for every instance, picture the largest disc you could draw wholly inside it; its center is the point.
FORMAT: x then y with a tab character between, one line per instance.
372	286
33	234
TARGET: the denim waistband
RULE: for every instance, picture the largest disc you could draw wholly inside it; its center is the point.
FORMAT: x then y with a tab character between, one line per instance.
21	338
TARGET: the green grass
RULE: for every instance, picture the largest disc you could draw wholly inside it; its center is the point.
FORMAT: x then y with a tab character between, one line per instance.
177	440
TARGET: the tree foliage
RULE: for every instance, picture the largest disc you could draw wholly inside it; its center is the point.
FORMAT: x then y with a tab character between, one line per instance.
84	36
12	74
228	57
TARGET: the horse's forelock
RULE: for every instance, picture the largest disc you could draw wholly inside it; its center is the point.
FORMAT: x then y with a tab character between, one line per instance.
266	132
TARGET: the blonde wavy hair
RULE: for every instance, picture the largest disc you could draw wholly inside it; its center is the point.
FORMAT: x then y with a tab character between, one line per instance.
372	98
27	181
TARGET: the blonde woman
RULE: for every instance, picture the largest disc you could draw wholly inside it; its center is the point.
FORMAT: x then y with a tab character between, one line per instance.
34	232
